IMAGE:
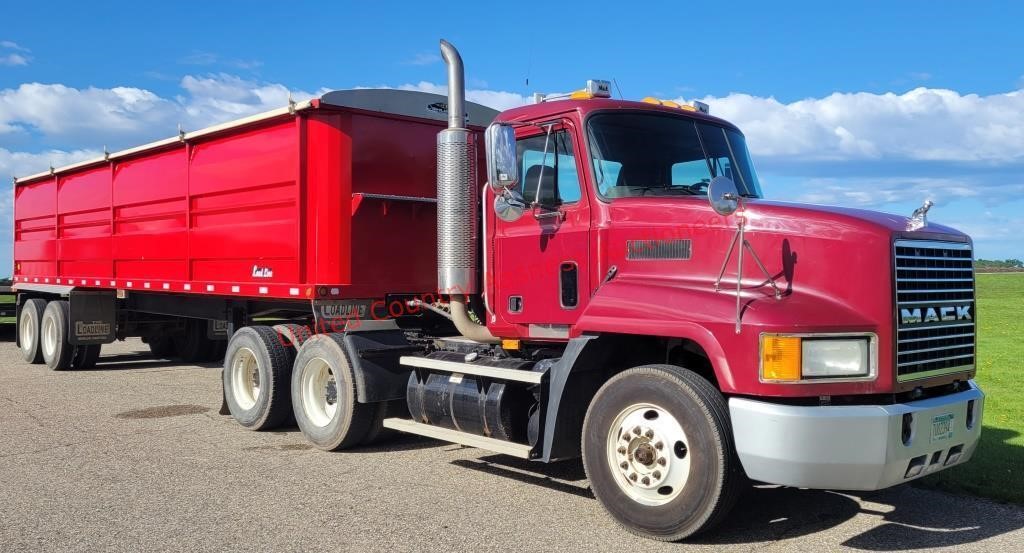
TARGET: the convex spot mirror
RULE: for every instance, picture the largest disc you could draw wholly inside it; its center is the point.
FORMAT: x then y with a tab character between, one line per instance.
502	170
723	195
509	206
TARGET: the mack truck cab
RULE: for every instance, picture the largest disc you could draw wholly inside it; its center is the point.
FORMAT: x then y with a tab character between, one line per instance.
690	334
610	282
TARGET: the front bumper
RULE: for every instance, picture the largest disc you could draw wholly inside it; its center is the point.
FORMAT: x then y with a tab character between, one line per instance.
854	447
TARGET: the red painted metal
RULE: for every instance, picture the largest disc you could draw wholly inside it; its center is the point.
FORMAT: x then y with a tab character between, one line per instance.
834	265
263	210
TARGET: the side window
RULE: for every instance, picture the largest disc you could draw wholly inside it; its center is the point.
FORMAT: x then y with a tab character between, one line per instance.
691	173
552	172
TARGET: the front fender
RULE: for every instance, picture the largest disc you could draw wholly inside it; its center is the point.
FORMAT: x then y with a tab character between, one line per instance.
678	308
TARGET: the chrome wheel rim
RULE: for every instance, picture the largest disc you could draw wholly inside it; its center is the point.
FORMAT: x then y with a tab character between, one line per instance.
28	332
49	335
245	378
648	454
319	392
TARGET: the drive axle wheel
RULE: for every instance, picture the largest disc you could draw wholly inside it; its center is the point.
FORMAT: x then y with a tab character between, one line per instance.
324	395
658	450
257	376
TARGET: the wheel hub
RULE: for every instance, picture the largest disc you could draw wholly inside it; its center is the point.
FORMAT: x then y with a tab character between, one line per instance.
644	446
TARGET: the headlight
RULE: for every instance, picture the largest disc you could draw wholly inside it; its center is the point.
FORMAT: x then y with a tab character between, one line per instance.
809	358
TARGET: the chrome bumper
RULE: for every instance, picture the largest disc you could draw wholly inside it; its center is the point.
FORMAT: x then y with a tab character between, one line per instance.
854	447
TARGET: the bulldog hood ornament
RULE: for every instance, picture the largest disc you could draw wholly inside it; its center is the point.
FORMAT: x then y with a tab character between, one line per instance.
919	219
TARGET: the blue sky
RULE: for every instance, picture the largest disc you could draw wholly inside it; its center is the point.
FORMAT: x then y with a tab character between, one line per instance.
877	105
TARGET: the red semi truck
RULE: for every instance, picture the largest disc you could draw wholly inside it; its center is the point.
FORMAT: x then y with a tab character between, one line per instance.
611	287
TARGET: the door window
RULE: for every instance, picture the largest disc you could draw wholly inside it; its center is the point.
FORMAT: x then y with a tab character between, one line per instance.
547	164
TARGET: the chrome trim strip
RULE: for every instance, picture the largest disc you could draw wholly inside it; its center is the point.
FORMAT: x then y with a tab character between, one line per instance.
931	338
930	327
872	357
950	358
943	348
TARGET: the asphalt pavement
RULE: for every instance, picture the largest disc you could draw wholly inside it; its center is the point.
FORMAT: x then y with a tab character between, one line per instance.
133	456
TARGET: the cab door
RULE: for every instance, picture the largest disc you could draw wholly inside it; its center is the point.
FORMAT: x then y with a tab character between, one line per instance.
542	259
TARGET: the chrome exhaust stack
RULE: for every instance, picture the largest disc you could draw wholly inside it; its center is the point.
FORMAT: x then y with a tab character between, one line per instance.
456	190
456	204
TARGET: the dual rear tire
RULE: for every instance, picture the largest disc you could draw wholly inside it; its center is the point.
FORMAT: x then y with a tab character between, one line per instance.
43	333
277	375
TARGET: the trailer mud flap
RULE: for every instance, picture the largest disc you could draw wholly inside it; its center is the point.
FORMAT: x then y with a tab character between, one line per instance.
93	317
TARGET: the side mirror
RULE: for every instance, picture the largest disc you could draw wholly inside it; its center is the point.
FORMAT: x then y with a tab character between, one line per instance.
723	195
500	143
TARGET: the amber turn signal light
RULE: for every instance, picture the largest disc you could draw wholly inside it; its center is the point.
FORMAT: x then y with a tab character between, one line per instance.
780	358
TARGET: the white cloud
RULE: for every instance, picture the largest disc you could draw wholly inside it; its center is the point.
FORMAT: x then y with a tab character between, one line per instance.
13	59
496	99
922	124
10	45
424	58
124	116
877	192
23	163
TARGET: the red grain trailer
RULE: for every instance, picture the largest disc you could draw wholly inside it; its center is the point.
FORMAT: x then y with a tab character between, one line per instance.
330	200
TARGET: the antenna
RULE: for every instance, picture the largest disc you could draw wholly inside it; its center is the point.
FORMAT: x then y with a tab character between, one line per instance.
617	89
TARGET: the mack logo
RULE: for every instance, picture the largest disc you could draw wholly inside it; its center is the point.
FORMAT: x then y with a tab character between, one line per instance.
94	328
940	314
262	272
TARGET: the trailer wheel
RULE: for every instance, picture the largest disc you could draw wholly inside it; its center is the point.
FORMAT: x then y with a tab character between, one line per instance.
658	450
192	345
85	357
257	371
53	336
161	346
28	330
324	396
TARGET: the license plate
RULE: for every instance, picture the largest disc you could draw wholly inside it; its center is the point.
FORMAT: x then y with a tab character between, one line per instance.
942	427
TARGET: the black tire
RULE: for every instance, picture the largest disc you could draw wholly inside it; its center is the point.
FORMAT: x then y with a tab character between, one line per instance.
55	319
293	335
162	346
385	409
324	355
218	350
192	345
273	365
85	357
28	330
715	476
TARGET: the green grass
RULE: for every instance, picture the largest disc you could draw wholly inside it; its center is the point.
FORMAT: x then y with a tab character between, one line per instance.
5	299
997	468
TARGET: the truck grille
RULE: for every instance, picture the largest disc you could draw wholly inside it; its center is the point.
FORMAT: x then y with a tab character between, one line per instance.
934	308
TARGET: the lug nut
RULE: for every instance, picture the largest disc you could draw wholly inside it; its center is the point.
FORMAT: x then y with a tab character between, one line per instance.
626	436
624	465
646	481
622	451
649	434
657	475
659	446
632	477
662	461
636	430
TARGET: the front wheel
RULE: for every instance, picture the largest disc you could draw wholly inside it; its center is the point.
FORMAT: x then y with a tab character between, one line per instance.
658	450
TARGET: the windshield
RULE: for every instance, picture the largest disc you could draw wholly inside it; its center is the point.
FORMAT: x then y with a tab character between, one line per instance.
648	154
